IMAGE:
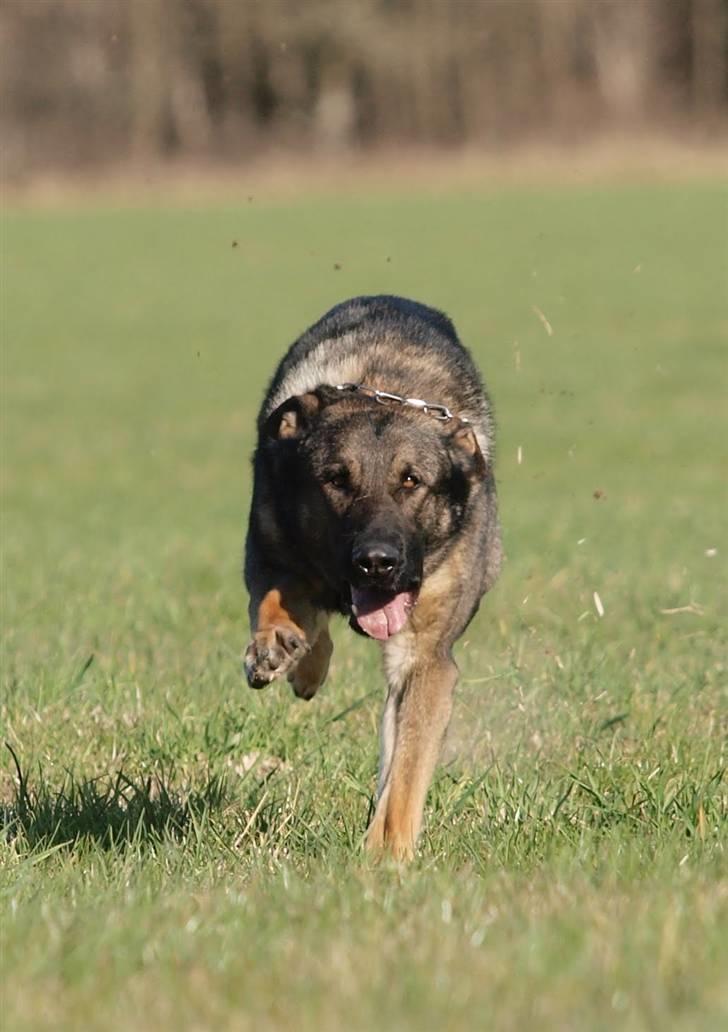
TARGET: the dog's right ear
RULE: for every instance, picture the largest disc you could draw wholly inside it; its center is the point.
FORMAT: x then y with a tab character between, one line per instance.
291	420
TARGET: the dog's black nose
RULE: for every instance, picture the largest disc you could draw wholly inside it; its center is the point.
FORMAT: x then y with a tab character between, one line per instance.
375	559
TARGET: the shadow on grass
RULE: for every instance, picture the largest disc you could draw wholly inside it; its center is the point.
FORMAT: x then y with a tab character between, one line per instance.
111	811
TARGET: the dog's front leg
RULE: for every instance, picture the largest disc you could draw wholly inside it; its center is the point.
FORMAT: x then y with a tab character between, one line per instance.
415	719
289	636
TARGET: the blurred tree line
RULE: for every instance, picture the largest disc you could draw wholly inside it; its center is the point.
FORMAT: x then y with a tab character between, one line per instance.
87	81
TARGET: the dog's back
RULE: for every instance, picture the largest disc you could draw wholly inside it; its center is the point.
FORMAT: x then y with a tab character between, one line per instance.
391	344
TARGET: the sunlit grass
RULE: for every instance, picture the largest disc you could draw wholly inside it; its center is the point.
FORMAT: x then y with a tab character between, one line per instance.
179	852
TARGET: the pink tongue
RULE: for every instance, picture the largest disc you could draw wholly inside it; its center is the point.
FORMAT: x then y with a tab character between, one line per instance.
381	615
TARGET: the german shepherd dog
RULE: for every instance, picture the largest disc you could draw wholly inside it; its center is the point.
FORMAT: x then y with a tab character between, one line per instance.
374	497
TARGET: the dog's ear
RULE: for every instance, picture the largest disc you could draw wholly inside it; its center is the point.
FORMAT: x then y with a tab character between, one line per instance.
292	420
465	452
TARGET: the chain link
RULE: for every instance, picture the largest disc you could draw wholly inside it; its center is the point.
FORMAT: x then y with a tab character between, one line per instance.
441	412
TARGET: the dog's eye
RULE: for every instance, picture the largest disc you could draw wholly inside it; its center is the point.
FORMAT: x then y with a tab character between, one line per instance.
410	481
338	479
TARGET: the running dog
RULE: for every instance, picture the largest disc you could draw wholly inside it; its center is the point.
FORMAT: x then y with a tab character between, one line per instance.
374	497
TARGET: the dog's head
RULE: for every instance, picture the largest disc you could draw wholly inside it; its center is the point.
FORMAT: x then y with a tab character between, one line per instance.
381	490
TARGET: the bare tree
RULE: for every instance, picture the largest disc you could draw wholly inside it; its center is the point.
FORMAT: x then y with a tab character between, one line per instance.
108	80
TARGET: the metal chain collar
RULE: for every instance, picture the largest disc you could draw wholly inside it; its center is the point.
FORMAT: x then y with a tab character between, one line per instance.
441	412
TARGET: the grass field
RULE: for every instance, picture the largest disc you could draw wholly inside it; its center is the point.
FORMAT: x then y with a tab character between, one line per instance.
182	853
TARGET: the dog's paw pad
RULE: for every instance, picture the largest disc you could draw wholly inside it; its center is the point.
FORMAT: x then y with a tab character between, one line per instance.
273	653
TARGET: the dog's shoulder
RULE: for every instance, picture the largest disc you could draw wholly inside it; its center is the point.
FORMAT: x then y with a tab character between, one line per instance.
389	342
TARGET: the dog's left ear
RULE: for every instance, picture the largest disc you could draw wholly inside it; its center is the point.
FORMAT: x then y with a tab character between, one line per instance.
465	452
294	417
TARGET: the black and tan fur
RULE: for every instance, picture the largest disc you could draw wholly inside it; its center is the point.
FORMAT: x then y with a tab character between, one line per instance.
338	477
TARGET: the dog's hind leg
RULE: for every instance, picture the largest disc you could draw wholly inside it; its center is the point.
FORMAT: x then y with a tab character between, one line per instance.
415	719
289	637
310	672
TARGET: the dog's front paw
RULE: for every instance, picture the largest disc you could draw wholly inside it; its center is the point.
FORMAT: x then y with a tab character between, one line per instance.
272	653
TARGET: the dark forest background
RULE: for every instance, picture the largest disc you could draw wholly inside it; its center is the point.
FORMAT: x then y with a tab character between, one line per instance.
91	82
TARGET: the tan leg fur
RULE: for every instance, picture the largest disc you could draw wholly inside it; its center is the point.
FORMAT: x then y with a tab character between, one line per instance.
290	637
422	713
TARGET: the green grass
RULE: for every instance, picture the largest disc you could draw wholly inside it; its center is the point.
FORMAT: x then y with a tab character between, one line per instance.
572	874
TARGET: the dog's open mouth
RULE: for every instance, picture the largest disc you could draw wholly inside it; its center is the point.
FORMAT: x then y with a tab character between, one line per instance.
380	614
